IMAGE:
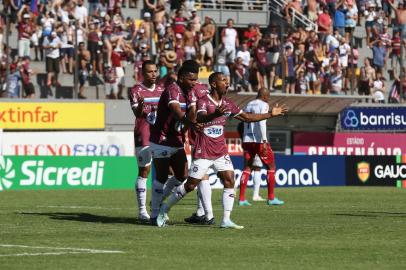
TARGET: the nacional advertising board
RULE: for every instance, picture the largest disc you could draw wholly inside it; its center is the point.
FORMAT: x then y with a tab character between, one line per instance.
91	143
372	171
54	173
355	144
30	115
373	118
295	171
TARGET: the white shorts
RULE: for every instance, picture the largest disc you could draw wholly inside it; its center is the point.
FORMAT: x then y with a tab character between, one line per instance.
199	167
143	154
163	151
257	162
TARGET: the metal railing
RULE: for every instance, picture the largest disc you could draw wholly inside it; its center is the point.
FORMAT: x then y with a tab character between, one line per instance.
236	4
278	6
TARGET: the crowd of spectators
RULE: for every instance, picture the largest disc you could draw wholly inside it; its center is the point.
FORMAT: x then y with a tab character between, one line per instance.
309	61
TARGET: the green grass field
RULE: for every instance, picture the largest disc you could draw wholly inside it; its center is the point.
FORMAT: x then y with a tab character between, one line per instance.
318	228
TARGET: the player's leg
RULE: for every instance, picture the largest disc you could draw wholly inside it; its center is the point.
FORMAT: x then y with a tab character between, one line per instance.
170	184
245	175
161	175
256	166
204	211
197	170
144	159
268	158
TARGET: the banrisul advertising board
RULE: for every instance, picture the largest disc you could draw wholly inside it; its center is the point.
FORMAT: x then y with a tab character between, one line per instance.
52	173
373	118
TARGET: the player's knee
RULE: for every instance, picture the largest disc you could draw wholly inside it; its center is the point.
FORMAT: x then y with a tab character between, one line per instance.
191	184
228	182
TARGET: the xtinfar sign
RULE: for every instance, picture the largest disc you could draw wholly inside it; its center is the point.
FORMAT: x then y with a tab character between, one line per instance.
27	115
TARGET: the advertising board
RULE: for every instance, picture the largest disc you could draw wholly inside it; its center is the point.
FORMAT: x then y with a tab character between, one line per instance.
372	171
373	118
30	115
358	144
62	173
295	171
91	143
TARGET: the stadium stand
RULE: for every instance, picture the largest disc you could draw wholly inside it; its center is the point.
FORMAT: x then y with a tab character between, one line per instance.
302	47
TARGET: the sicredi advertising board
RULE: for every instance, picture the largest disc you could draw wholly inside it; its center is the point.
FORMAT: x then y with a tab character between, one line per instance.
373	118
91	143
51	115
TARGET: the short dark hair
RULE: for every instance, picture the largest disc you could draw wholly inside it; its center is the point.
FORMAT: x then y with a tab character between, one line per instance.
214	76
189	66
146	63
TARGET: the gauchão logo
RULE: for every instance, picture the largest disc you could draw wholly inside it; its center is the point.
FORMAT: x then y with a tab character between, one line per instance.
363	171
7	173
351	119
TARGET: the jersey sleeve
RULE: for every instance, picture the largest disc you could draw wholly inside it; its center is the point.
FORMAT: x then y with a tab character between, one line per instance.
173	94
201	105
133	96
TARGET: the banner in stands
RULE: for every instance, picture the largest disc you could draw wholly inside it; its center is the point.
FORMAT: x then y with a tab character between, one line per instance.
372	171
27	115
295	171
91	143
52	173
373	118
356	144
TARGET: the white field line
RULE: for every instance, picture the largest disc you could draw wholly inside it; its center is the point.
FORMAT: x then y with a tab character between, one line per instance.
49	253
68	250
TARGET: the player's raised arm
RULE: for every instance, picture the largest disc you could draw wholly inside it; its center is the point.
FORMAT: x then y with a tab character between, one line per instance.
278	110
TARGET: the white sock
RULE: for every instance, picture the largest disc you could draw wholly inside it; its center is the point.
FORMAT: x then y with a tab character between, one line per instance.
169	186
204	189
156	197
141	191
200	208
257	183
175	197
228	202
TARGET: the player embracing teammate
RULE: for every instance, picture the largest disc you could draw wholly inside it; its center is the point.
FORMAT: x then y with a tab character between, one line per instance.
210	149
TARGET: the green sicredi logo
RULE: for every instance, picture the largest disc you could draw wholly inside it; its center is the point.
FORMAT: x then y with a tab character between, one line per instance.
7	173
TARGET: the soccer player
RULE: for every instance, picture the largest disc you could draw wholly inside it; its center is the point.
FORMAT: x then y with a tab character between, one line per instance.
210	149
167	134
255	143
144	98
204	213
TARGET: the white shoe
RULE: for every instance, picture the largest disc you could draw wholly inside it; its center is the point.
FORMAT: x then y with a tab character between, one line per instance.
230	225
162	218
144	217
258	199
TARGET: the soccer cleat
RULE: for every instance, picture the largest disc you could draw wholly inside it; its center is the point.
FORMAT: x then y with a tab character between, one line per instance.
161	219
152	221
209	222
275	201
258	199
195	219
230	225
244	203
143	217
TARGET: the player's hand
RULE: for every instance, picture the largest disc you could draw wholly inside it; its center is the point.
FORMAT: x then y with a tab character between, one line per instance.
279	110
221	110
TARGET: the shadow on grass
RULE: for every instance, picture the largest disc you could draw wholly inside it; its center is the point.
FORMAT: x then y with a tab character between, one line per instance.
86	217
373	214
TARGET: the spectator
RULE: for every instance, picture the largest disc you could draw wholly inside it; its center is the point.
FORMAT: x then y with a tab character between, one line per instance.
229	38
190	43
379	54
25	30
84	60
25	73
378	88
240	75
13	83
206	47
52	44
290	70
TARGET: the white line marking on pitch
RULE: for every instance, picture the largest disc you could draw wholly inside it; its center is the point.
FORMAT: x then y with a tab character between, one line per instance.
68	250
